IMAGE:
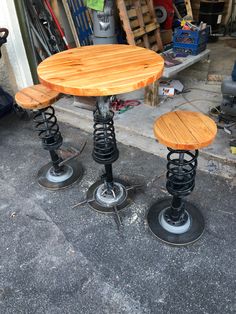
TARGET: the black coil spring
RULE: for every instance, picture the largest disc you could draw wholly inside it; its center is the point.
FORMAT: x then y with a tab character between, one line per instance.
181	172
47	128
105	150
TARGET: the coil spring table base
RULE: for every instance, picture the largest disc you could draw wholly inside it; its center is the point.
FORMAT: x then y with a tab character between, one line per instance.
107	195
110	202
104	200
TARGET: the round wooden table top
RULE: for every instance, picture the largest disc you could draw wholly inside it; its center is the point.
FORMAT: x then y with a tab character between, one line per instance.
100	70
185	130
36	97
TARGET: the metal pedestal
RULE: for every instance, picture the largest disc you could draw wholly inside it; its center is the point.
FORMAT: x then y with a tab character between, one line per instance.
69	173
59	173
173	220
107	195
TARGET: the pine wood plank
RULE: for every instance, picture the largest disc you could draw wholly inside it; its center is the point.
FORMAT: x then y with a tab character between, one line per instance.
135	23
188	8
101	70
185	130
125	20
140	32
151	94
150	27
36	97
71	22
157	31
139	21
133	13
151	11
158	40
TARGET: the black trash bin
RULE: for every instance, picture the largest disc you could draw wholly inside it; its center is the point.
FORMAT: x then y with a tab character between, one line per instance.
211	13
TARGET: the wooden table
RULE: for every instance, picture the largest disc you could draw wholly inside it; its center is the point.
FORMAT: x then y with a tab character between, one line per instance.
103	70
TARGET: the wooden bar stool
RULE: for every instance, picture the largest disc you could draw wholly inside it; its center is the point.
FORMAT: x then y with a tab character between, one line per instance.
173	220
58	173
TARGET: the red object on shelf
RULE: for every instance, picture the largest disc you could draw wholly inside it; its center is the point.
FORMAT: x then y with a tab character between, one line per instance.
57	23
168	5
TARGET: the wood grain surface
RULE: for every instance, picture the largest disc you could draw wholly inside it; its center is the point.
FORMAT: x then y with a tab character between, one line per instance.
101	70
185	130
36	97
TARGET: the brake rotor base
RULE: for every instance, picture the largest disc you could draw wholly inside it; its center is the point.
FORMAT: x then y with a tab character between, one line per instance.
172	232
102	201
72	172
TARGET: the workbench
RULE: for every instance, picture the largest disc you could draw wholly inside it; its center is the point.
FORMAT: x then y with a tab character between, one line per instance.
186	62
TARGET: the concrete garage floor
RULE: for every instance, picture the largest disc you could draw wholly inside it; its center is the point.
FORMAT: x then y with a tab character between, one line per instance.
58	260
134	127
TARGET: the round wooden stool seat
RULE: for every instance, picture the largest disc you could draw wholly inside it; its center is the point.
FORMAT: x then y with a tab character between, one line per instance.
185	130
36	97
53	175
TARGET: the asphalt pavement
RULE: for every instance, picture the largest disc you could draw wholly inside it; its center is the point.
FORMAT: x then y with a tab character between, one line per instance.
55	259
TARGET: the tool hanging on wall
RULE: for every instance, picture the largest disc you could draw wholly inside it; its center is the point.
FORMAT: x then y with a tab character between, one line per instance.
57	23
47	38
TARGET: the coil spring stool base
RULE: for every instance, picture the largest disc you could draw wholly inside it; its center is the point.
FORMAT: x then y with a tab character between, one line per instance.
67	175
173	220
58	173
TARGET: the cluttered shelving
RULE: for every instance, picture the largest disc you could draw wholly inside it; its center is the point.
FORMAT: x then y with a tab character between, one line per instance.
56	25
51	26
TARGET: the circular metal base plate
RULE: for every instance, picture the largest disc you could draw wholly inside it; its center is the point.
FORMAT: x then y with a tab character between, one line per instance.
72	172
171	226
117	196
97	201
194	231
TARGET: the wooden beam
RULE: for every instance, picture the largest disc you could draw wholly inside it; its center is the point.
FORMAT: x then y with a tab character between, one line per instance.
188	8
71	23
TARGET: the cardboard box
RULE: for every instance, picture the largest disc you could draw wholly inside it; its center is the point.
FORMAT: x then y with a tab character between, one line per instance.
166	36
166	90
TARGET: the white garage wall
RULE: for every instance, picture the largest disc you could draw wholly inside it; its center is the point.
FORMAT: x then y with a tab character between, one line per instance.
14	68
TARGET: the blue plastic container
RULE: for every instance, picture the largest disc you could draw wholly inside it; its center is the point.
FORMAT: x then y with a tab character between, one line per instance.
190	42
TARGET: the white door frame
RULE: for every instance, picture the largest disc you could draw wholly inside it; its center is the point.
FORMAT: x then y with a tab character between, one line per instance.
15	46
